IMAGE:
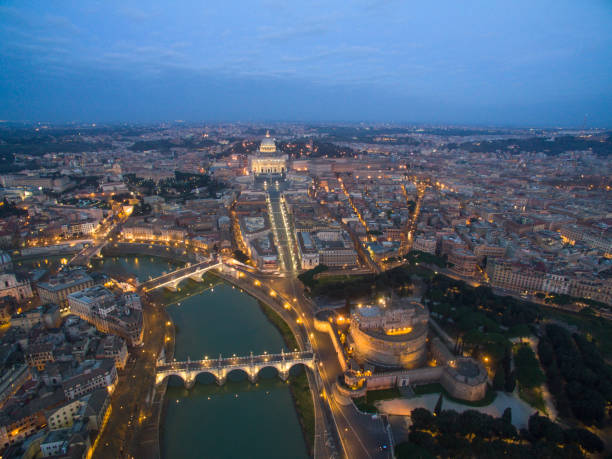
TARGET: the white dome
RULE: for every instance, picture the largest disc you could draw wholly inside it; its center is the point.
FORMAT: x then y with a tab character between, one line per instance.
267	144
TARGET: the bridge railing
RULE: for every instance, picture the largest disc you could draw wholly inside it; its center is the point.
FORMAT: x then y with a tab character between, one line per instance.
180	273
236	361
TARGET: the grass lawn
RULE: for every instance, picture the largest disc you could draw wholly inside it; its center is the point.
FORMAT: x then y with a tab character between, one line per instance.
281	325
437	388
533	397
300	390
367	403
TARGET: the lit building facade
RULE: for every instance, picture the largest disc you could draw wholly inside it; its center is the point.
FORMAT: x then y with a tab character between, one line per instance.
267	161
394	337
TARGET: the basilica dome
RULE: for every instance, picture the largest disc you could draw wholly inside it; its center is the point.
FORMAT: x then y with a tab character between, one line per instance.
267	144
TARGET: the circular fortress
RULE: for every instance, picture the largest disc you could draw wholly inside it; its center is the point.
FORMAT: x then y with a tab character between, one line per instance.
390	337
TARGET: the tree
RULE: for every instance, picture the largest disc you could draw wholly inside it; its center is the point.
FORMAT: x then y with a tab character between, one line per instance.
240	256
546	352
510	382
422	419
507	415
542	427
528	370
588	440
409	450
438	407
499	380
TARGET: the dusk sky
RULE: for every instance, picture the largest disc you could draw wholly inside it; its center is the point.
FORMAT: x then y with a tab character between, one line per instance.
522	63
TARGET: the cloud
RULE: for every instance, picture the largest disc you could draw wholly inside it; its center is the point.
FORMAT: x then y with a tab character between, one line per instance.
62	23
137	14
268	33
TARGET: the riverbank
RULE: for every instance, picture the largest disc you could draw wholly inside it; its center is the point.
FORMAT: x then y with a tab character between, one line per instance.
298	384
281	325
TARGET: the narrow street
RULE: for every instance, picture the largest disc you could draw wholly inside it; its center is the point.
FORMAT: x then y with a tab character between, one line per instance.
133	397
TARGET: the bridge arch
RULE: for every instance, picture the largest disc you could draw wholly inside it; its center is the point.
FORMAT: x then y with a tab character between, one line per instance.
238	370
265	367
283	363
161	377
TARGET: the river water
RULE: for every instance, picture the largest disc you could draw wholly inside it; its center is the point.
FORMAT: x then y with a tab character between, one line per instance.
238	419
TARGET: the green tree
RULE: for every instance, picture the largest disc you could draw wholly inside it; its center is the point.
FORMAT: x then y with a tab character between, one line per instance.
438	407
499	380
528	370
510	382
507	415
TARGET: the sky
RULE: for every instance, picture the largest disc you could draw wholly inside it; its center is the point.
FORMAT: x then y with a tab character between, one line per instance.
494	63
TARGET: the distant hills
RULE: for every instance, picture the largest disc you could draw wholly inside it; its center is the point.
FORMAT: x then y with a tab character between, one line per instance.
600	144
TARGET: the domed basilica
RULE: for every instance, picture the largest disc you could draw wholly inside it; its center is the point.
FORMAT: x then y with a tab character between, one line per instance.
267	161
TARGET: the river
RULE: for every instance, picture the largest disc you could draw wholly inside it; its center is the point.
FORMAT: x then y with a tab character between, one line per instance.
238	419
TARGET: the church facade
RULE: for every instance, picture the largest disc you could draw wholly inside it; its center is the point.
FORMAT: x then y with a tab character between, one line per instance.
267	161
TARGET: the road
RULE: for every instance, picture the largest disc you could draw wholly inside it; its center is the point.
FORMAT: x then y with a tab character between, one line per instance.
132	400
103	235
180	273
360	435
282	234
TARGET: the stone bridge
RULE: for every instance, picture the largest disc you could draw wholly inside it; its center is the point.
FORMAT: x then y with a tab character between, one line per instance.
82	258
173	279
221	367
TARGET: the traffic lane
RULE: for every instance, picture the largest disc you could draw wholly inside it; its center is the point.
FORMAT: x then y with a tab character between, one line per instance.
361	435
369	428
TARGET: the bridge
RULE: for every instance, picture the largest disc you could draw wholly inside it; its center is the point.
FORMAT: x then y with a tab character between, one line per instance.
221	367
82	258
173	279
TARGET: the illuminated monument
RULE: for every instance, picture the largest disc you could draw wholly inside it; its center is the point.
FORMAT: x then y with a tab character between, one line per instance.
267	161
394	337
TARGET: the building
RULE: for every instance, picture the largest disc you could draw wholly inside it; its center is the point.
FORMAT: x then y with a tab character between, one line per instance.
113	347
65	415
71	442
92	375
117	314
10	285
92	408
426	244
463	262
267	161
592	288
390	337
37	355
20	420
514	276
6	262
263	251
307	250
57	288
48	315
491	251
335	248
